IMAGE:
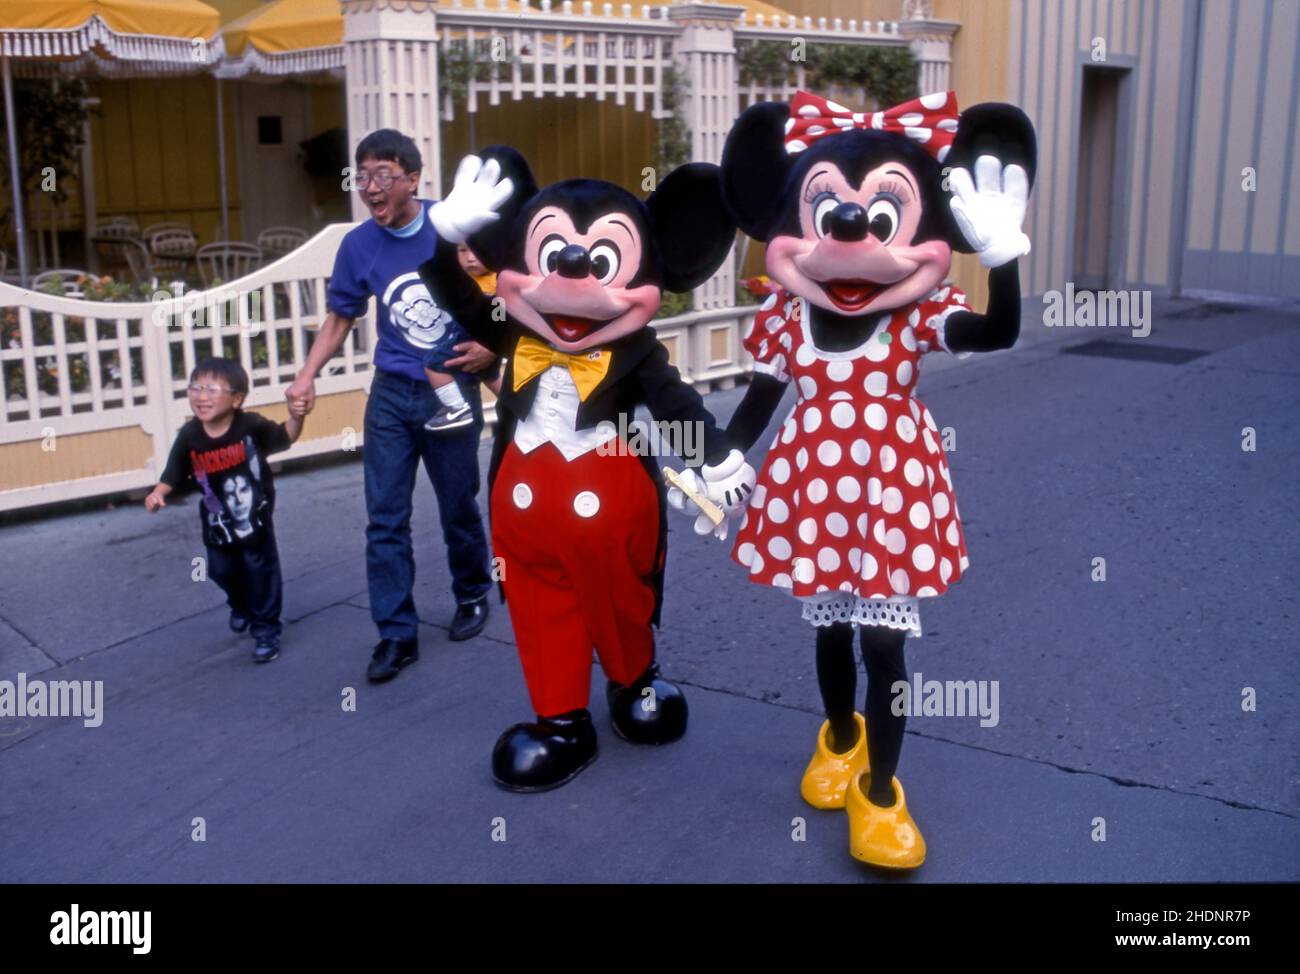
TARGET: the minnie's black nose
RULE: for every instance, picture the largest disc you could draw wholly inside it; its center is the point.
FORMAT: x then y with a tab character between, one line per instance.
848	221
574	261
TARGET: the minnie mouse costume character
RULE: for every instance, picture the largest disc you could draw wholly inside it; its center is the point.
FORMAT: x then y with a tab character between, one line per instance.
577	518
854	512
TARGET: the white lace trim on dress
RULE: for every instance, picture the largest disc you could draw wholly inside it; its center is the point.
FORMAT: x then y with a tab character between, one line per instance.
897	612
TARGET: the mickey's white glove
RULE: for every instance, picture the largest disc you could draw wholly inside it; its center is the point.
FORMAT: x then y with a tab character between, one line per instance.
478	192
730	483
678	501
990	210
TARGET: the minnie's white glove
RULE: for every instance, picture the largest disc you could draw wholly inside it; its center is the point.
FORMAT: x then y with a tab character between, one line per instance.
730	483
478	192
990	210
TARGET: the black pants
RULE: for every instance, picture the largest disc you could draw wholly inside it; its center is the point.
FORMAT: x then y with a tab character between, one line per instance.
249	574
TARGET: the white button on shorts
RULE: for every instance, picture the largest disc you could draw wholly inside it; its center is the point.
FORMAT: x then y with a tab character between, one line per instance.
586	504
523	496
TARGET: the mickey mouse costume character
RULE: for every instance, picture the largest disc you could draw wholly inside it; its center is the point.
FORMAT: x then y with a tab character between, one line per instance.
854	512
576	517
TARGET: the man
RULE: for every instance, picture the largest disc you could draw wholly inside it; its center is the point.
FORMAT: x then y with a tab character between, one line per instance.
379	257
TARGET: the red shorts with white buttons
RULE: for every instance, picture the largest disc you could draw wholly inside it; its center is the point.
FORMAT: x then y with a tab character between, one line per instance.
578	540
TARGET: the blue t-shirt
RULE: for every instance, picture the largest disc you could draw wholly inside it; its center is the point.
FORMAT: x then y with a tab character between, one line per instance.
374	260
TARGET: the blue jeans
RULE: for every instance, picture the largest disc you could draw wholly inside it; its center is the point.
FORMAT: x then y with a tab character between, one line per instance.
395	443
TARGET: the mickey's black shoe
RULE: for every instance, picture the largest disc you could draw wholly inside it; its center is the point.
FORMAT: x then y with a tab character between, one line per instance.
389	657
469	620
658	717
545	754
237	622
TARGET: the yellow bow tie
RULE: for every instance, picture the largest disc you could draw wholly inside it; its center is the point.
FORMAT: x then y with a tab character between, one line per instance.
533	356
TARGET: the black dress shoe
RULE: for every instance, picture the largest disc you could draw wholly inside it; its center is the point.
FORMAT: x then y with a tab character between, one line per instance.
389	657
237	622
642	718
469	620
545	754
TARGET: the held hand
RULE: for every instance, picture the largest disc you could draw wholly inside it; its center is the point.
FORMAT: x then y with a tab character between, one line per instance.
473	357
678	501
991	209
479	191
730	483
301	394
154	501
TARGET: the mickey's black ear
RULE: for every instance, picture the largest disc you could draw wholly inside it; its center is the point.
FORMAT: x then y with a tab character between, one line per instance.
496	243
754	167
692	228
994	129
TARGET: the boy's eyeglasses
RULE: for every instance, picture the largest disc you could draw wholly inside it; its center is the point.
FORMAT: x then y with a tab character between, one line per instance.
210	390
381	179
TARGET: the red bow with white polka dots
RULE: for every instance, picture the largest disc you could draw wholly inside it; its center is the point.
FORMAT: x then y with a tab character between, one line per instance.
931	120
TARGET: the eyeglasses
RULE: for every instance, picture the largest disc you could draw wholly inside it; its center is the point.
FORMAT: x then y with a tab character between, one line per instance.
382	179
197	389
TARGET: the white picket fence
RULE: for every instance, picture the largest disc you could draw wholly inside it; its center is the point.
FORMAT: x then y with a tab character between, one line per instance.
70	366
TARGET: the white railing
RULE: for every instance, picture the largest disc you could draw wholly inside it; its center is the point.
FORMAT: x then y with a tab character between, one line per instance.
71	367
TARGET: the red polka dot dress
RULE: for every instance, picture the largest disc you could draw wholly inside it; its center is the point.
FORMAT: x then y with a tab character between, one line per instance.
854	511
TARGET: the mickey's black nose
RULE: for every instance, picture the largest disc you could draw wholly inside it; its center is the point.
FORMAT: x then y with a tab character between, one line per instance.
848	221
574	261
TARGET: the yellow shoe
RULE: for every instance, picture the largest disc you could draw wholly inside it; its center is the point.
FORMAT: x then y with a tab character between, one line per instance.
828	775
882	836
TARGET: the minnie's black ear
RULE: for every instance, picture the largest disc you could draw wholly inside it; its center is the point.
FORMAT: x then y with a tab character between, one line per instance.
692	228
755	166
497	243
990	129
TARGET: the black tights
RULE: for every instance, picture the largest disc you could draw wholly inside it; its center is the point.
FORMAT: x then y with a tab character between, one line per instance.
837	676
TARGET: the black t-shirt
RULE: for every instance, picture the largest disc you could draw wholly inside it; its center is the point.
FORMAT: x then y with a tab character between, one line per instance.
233	474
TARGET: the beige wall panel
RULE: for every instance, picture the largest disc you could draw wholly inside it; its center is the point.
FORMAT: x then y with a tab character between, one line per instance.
1276	103
1165	130
1063	147
76	456
1141	78
1237	125
1209	134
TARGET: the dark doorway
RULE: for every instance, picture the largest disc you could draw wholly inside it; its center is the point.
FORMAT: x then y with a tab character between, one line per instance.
1100	187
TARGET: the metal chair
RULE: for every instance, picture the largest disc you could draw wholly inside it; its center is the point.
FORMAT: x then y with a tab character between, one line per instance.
126	253
172	247
117	226
278	241
69	280
227	260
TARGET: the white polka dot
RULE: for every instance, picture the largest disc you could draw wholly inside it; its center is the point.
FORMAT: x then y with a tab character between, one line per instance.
877	351
895	541
779	549
910	120
840	370
828	559
860	451
801	458
951	534
855	559
965	563
877	384
789	431
807	387
935	100
805	356
875	416
900	582
840	394
930	445
837	524
892	500
812	419
759	497
836	107
888	458
904	372
945	570
923	557
782	580
941	505
769	302
777	511
914	472
862	524
919	515
803	570
914	318
843	415
869	565
929	473
781	470
873	490
829	452
818	491
848	489
929	421
908	338
756	565
926	591
906	427
745	553
808	530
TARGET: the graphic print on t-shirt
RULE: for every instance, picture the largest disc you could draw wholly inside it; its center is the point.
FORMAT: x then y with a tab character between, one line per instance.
413	312
235	502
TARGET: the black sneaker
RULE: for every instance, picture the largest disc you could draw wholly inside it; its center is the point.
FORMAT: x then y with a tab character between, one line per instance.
469	620
266	651
237	622
450	418
389	657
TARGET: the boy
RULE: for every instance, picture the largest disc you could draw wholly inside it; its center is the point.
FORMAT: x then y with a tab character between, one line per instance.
224	449
455	411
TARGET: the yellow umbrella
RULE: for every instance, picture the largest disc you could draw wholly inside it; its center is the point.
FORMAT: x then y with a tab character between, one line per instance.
285	37
162	32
